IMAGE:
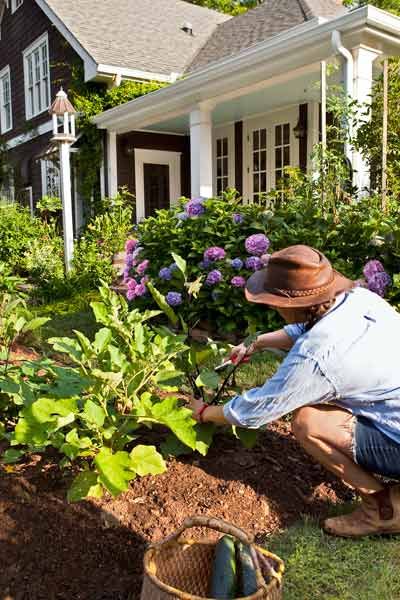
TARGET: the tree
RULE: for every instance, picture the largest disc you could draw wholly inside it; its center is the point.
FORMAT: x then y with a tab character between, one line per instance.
232	7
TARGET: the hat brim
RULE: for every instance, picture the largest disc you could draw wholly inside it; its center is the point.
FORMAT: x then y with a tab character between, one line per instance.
255	292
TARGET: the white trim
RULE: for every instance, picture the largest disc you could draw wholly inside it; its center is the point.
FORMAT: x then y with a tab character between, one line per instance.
90	65
31	135
297	47
229	133
135	73
112	164
157	157
38	43
3	73
43	168
14	5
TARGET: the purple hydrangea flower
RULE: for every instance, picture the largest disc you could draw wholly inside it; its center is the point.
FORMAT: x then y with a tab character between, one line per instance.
238	281
173	267
265	259
137	252
131	283
129	261
254	263
205	264
142	267
130	294
379	282
372	267
174	298
257	244
237	218
237	264
140	290
126	273
131	245
182	216
195	208
214	253
165	274
214	277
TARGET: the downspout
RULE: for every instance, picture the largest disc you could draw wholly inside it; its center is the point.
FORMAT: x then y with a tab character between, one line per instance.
349	80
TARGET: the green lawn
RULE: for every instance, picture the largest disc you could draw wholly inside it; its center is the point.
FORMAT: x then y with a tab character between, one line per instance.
320	567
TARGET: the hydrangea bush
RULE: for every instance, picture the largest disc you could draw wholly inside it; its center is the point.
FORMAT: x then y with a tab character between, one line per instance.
223	242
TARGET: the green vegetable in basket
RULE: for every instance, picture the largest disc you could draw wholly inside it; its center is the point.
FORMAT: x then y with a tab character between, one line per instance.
223	576
246	570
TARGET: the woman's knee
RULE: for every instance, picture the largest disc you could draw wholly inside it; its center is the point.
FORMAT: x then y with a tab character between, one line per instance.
303	423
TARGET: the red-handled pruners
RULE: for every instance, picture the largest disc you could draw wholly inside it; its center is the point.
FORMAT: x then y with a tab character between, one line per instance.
230	362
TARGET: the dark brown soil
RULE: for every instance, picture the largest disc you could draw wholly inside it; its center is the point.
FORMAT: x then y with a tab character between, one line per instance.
50	549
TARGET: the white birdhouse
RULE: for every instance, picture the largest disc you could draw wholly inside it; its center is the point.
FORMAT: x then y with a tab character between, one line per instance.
63	114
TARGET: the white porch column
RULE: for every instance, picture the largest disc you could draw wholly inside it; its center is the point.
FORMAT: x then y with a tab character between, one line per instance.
66	197
201	152
112	171
363	81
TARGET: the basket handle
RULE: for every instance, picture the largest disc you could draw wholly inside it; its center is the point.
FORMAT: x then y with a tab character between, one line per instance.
212	523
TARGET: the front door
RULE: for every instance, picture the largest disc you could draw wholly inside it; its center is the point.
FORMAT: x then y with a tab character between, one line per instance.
156	188
157	179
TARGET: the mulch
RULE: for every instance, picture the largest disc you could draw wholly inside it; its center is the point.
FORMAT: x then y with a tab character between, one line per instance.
93	550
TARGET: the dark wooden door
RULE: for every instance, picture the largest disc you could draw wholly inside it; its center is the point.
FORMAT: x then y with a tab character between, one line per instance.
156	188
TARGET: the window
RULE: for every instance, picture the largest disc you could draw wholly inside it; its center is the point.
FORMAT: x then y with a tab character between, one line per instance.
259	163
37	80
50	178
222	165
282	151
5	101
15	4
7	189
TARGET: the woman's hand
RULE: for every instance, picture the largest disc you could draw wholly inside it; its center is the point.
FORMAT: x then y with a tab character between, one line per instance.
238	353
196	405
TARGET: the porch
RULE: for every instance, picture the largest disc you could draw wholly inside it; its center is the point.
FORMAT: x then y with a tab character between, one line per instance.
240	121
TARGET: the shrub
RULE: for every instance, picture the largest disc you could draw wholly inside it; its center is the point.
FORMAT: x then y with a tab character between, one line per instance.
17	230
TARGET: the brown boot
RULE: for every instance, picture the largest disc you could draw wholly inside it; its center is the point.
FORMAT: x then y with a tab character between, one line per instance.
379	513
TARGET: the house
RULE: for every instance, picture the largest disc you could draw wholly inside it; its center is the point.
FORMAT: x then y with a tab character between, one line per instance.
107	41
249	103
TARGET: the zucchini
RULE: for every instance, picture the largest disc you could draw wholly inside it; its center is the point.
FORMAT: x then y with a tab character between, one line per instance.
223	576
246	571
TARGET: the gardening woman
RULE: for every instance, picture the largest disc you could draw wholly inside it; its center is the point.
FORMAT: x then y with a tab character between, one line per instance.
340	380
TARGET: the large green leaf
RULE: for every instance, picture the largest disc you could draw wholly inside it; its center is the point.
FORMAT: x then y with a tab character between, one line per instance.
35	323
85	485
180	263
11	456
163	304
209	379
94	413
101	312
115	470
46	410
178	419
31	434
67	346
102	339
139	338
169	379
248	437
147	461
204	437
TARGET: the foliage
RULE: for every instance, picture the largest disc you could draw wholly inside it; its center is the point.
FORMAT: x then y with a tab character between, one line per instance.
104	236
232	7
93	411
17	229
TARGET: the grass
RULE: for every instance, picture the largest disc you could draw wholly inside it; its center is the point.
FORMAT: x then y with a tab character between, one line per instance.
320	567
67	315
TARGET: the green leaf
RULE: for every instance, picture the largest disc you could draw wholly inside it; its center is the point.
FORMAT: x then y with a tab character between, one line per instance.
19	324
147	461
102	339
163	304
47	410
139	338
94	413
84	343
100	312
209	379
115	470
85	485
32	434
248	437
36	323
178	419
172	446
204	437
169	379
11	456
180	262
109	377
67	346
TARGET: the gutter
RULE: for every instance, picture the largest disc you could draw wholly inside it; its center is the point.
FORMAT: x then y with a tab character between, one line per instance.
349	80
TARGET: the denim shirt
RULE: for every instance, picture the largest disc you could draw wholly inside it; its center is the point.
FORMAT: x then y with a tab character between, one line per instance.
350	358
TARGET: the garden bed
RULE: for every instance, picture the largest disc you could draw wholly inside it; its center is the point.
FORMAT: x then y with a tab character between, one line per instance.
93	550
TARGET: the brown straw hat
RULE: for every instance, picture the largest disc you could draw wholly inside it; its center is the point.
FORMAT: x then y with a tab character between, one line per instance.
298	276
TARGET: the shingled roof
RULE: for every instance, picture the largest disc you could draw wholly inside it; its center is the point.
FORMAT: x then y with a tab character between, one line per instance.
138	34
268	19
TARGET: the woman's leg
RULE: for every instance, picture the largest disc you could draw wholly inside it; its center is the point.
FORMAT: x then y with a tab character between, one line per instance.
326	433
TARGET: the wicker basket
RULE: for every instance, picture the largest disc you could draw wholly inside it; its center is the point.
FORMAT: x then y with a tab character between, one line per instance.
180	569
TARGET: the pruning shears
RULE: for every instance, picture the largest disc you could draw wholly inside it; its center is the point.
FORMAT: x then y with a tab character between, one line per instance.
230	362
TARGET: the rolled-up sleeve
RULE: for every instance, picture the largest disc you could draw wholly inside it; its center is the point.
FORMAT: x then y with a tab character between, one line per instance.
295	330
298	382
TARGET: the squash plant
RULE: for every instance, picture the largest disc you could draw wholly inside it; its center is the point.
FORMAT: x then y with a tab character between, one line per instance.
95	408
